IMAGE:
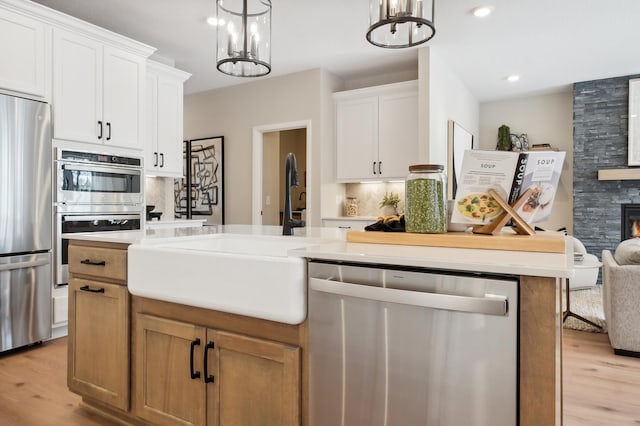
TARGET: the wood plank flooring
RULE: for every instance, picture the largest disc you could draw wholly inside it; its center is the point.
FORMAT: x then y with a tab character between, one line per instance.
600	388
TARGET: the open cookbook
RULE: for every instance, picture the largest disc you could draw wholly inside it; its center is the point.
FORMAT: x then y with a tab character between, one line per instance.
510	174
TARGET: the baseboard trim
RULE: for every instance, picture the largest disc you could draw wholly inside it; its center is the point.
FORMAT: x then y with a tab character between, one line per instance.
625	352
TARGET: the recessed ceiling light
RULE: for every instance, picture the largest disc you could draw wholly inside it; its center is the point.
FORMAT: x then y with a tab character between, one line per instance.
513	78
482	11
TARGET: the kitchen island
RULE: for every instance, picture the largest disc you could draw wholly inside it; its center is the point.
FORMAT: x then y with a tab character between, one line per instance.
268	359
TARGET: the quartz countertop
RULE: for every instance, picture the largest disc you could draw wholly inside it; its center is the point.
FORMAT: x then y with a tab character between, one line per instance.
336	248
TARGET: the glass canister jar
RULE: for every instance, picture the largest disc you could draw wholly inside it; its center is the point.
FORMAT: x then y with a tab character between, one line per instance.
426	199
351	206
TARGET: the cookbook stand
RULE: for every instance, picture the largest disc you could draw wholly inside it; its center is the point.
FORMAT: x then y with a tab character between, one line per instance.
508	212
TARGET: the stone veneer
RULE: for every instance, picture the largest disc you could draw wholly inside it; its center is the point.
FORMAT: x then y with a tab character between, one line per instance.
600	127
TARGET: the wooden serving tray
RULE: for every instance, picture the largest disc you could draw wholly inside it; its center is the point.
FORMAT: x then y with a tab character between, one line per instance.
542	242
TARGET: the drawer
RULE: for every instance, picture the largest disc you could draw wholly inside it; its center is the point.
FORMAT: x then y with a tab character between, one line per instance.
98	262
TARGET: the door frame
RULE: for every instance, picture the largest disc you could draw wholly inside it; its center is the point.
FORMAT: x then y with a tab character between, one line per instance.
258	147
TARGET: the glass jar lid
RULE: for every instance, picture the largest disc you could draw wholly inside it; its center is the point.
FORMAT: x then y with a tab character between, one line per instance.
426	168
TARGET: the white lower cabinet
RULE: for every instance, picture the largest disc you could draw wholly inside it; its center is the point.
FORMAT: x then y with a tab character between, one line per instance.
352	224
163	120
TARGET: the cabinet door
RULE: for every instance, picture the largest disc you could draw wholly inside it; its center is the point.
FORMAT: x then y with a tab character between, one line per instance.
77	88
165	352
124	84
256	382
151	123
98	358
357	139
170	126
398	134
22	49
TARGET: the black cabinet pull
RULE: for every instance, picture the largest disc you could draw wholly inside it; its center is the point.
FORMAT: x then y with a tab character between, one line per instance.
109	131
194	374
208	378
155	159
162	159
92	263
100	124
379	167
92	290
374	167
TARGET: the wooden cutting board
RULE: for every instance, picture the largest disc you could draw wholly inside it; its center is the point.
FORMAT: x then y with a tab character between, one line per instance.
548	242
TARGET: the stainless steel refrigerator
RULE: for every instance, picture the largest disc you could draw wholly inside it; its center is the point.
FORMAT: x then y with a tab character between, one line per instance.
25	222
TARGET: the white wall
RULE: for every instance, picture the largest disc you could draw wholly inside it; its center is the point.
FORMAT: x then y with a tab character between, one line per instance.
271	179
545	119
449	99
234	111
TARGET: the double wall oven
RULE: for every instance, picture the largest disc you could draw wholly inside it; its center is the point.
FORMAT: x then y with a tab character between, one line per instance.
94	192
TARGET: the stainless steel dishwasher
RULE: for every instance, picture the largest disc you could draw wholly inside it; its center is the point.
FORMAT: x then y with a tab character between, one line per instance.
402	347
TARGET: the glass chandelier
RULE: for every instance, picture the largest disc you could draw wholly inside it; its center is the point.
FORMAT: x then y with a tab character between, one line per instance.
244	37
400	23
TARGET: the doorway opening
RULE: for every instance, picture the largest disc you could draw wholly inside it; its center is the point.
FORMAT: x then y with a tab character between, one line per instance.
271	144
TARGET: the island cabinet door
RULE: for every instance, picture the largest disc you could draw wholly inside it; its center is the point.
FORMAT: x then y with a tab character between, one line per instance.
168	378
98	358
251	381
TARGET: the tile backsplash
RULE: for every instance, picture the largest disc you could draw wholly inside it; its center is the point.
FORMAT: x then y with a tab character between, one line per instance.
370	195
159	192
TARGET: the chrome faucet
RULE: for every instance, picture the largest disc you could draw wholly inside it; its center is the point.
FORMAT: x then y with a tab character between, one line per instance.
291	179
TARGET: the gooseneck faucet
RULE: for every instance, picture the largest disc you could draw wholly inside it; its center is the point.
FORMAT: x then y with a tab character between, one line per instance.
291	179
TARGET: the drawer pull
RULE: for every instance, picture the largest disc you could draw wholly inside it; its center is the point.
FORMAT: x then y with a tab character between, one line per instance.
194	374
92	290
91	262
208	378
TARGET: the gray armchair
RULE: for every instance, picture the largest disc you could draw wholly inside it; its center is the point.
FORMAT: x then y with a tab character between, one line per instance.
621	302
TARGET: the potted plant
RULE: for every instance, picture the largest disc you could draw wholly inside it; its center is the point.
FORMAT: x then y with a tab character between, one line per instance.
390	201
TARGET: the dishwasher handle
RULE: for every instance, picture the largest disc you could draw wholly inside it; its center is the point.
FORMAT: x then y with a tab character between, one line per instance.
489	305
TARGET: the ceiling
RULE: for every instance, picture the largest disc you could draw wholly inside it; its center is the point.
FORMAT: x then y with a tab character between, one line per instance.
549	43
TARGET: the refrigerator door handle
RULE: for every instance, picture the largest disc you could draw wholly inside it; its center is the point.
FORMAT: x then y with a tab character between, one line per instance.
24	265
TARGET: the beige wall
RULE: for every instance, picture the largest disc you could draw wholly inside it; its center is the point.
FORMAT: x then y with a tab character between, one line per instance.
545	119
234	111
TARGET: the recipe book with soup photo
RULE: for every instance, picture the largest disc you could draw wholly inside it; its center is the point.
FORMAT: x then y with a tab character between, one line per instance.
510	174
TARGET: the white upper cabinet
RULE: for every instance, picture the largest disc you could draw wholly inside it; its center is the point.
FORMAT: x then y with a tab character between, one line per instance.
98	91
24	57
164	120
376	132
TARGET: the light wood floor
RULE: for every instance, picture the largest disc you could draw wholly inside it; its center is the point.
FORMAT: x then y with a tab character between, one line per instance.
600	388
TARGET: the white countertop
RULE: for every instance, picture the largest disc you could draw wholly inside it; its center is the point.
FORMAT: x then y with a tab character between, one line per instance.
178	223
455	259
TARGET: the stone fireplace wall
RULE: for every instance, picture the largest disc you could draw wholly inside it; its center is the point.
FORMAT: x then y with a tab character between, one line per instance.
600	127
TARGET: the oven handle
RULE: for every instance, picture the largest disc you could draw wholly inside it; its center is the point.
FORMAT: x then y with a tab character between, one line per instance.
92	168
100	217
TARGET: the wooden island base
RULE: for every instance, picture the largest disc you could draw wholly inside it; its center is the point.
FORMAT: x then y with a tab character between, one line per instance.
173	360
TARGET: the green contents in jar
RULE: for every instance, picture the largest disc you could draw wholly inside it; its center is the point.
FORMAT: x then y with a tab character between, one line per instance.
426	206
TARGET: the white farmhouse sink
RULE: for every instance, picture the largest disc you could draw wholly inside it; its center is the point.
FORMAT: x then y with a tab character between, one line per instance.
249	275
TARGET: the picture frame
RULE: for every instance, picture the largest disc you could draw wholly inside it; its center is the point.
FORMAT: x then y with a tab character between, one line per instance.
203	174
459	140
633	141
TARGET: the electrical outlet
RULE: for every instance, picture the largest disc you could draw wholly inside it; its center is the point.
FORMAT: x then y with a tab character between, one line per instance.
267	200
